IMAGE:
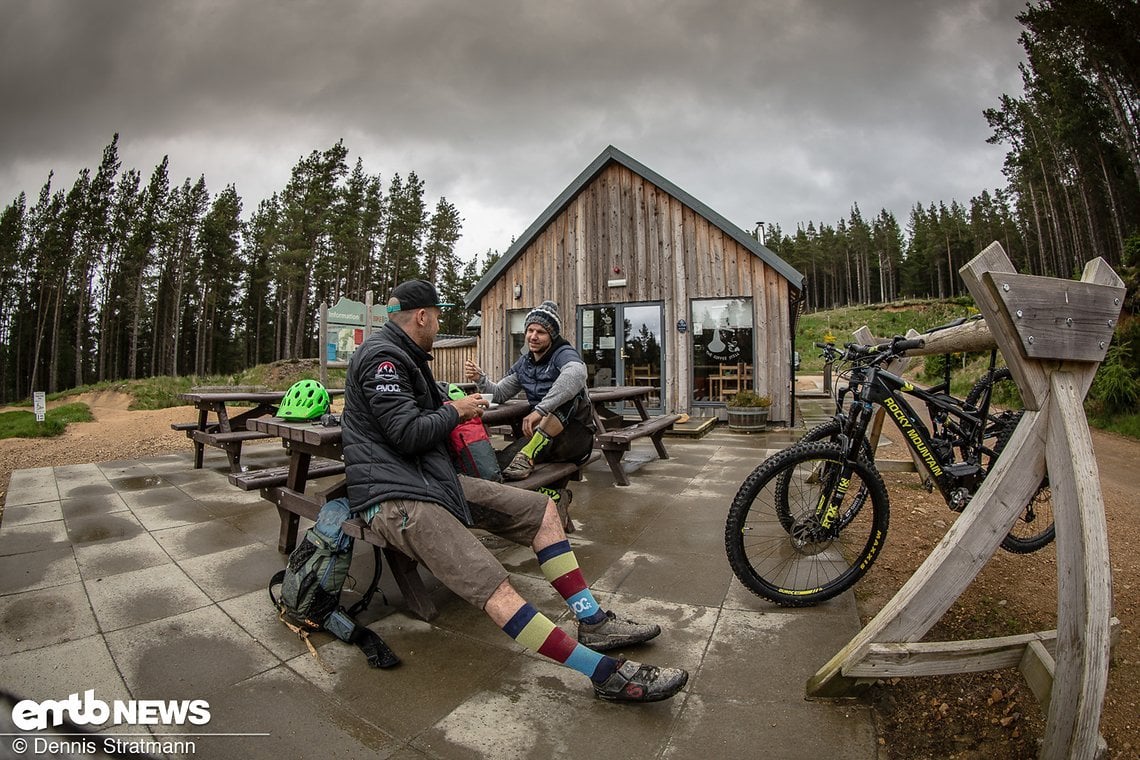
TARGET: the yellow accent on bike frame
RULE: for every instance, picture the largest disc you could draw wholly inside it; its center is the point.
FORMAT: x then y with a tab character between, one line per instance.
832	511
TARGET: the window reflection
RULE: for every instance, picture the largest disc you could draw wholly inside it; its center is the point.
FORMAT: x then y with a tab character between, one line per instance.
722	348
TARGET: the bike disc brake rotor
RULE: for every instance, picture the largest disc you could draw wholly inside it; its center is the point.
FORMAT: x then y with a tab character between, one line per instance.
808	537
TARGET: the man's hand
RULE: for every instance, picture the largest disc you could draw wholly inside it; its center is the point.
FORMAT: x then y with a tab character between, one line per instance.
530	422
470	406
472	370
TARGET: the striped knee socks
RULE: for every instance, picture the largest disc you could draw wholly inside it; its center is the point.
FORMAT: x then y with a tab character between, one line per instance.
536	632
560	567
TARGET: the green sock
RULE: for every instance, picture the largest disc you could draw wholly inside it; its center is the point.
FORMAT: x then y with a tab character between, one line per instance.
537	443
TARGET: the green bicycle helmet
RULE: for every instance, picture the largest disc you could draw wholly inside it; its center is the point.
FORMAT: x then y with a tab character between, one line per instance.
305	400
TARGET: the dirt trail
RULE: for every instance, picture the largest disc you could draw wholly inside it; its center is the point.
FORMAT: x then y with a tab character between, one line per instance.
116	433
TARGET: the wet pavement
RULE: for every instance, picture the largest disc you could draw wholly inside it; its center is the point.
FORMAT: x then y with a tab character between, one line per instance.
146	580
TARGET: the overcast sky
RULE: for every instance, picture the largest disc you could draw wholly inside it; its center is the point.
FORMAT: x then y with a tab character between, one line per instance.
778	110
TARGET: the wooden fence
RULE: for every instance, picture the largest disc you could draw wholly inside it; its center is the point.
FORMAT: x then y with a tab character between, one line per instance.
1053	334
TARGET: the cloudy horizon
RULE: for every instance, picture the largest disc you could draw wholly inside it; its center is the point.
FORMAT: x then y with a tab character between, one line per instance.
785	111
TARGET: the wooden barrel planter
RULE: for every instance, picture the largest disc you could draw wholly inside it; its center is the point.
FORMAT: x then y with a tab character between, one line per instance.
748	419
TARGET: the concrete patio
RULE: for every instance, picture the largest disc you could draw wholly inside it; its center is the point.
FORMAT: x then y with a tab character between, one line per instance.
146	580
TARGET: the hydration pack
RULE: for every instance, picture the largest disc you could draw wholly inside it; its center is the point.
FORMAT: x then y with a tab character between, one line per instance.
312	581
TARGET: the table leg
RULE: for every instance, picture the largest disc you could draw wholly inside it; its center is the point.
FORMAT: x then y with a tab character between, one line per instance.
298	470
240	422
407	576
290	523
298	476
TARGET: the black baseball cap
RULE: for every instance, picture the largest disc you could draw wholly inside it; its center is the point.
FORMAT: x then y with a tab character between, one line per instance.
415	294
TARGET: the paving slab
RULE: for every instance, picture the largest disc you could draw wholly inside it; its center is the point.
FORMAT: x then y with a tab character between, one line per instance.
146	579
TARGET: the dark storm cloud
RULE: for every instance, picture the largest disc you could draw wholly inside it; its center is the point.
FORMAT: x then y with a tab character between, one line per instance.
782	111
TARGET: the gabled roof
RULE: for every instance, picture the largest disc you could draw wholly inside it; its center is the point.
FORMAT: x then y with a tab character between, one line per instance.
613	155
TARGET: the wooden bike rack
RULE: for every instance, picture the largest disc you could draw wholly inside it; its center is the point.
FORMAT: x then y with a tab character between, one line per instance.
1053	334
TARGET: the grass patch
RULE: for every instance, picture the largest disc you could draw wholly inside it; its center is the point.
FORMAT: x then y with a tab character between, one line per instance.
1121	424
21	424
884	321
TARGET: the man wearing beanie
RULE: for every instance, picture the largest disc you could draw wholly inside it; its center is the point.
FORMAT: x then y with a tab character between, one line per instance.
560	427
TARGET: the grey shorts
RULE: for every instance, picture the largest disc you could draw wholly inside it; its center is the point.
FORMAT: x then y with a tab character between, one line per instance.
432	536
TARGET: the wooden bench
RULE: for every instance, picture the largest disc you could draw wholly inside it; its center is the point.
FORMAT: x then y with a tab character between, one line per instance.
229	442
615	442
271	477
185	426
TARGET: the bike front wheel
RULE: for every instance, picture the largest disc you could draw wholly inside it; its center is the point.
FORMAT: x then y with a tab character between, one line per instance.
806	563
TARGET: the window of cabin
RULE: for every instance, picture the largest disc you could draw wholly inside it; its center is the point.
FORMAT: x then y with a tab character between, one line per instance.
722	348
516	329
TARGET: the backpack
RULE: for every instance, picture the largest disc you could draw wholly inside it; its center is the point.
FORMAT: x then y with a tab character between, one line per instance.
312	581
470	448
472	452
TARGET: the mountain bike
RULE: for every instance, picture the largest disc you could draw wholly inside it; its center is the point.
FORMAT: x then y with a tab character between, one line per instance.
809	521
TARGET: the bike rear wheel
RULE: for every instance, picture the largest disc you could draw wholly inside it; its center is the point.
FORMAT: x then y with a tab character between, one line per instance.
804	563
1034	528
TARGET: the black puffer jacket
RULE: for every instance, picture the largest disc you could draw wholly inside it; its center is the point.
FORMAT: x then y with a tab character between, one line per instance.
395	427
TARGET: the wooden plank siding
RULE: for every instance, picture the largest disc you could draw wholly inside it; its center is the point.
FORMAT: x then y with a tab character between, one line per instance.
447	361
667	252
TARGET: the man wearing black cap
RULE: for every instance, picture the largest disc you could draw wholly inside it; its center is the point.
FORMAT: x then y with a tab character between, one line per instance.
560	427
398	469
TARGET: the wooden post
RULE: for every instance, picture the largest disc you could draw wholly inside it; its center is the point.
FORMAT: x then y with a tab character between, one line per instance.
1053	334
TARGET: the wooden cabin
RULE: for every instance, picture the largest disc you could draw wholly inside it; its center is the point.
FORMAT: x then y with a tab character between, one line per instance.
653	287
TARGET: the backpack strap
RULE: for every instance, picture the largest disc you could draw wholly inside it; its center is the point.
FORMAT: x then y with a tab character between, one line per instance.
373	587
277	579
376	651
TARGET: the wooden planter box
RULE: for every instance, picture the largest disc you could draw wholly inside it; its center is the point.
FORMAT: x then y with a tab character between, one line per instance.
748	419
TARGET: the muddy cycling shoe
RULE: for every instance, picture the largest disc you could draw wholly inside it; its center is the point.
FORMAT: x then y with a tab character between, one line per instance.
562	498
520	468
565	497
615	632
634	682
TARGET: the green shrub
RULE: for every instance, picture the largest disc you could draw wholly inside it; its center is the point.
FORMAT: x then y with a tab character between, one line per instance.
1115	388
934	366
750	399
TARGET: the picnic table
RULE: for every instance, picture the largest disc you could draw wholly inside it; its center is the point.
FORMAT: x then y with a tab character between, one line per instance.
314	452
615	433
215	426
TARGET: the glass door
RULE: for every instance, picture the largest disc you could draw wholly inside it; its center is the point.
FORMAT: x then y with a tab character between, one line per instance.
622	344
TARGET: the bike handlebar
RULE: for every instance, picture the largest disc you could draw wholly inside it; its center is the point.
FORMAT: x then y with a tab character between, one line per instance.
883	351
876	353
907	344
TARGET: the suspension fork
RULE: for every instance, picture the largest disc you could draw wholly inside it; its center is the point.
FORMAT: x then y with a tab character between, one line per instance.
830	498
850	440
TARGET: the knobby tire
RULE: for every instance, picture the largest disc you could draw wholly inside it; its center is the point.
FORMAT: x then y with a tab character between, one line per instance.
798	563
1034	528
